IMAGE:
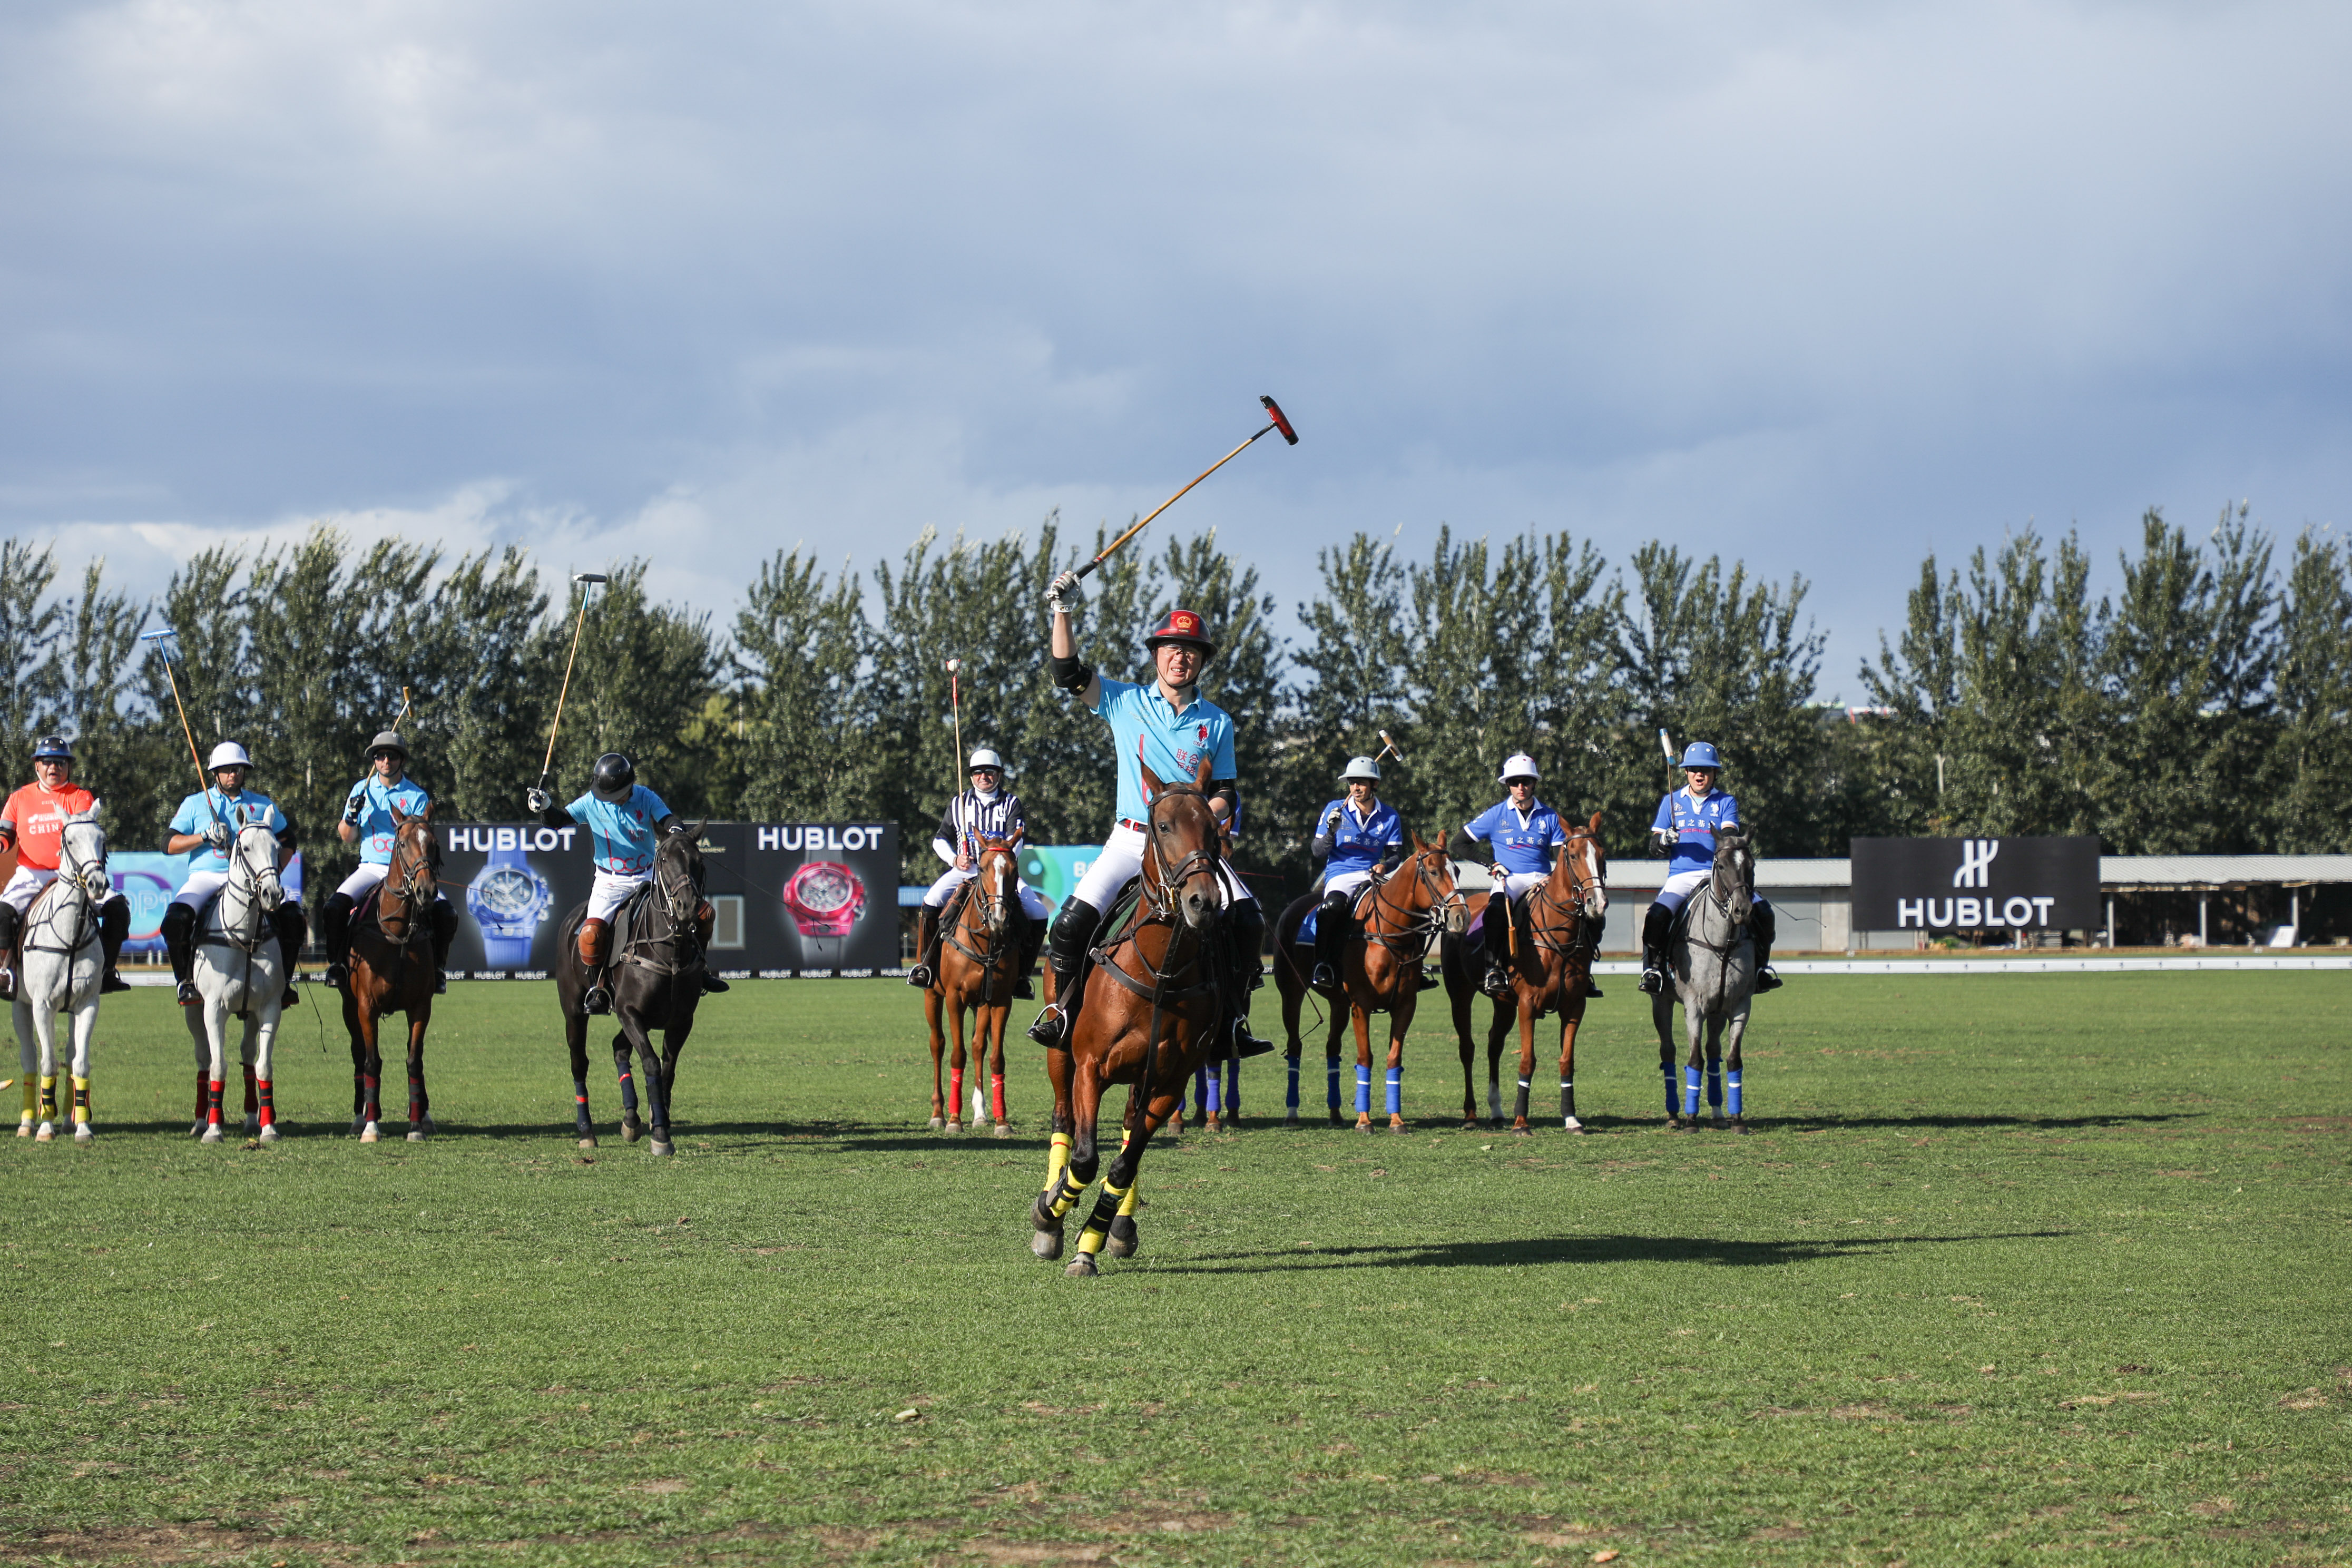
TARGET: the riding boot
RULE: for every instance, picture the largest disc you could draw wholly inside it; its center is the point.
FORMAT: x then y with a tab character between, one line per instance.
1591	978
11	925
293	932
1026	934
180	942
1497	932
113	929
591	959
1658	930
1331	922
705	919
1245	926
1761	929
927	940
1072	936
445	931
335	934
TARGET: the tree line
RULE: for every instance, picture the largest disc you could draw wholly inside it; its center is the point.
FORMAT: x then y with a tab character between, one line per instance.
2205	706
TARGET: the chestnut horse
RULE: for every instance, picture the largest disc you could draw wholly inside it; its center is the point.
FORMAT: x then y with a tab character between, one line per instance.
1400	917
393	971
980	959
1150	1021
1552	946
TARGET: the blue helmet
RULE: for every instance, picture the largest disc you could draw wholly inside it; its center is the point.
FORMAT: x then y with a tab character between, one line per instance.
1701	755
54	747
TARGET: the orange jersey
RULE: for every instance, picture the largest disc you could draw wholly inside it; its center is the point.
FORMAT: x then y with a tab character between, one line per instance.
36	819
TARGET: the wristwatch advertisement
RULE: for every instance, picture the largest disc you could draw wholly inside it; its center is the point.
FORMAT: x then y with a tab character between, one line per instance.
825	897
508	899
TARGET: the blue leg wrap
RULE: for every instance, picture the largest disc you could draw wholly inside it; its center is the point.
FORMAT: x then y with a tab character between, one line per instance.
1731	1081
1331	1086
1667	1070
1715	1085
1233	1085
1690	1091
1290	1099
1204	1092
1363	1092
1396	1090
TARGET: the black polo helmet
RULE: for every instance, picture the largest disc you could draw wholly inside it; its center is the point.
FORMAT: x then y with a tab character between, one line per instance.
1184	626
614	777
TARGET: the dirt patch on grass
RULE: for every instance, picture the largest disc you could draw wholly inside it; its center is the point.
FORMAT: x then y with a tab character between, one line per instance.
1034	1552
160	1544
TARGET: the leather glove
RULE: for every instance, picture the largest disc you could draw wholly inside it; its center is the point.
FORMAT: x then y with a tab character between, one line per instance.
1502	877
1332	820
1062	594
353	806
537	799
217	837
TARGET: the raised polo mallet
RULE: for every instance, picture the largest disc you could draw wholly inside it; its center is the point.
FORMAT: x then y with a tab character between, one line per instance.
955	703
1276	421
587	580
404	706
159	637
1388	749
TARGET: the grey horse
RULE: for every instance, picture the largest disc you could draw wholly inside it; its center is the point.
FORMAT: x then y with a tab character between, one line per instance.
1711	957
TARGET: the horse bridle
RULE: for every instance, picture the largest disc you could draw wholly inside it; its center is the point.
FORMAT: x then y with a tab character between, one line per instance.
1164	895
996	903
69	870
1583	944
251	884
410	890
680	905
1420	925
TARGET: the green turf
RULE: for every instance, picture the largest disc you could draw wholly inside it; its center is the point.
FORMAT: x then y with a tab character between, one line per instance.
2017	1269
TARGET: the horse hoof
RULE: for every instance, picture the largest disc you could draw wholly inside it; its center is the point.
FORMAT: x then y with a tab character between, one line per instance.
1397	1124
1523	1131
268	1134
1742	1128
662	1146
82	1134
369	1133
47	1133
589	1142
1337	1120
1364	1124
938	1122
631	1132
195	1131
25	1128
952	1126
1082	1267
1046	1243
416	1135
212	1134
1122	1241
1291	1119
1573	1125
1003	1129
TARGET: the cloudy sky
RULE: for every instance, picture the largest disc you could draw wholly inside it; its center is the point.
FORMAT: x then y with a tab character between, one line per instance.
1818	286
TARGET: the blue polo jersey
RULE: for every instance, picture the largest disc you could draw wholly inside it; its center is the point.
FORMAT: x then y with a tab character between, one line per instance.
1522	845
375	824
1360	845
1693	823
195	815
622	830
1145	728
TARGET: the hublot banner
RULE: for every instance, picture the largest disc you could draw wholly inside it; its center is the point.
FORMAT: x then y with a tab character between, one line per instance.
1966	884
793	901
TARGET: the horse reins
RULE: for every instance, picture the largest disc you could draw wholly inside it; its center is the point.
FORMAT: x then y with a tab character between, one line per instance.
683	927
85	908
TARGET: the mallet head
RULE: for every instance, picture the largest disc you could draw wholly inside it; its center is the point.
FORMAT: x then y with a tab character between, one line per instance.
1273	411
158	635
590	577
1390	745
954	665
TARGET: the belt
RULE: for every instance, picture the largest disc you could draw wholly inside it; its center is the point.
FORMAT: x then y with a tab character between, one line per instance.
1130	822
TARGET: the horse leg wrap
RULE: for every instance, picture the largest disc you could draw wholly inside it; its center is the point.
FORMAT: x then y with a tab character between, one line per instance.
628	1092
1520	1112
1396	1090
415	1096
268	1108
1363	1092
1331	1087
1715	1085
48	1096
955	1093
1290	1096
81	1102
996	1095
1233	1086
370	1085
1204	1098
1731	1082
1568	1100
1107	1206
33	1100
1057	1158
252	1094
579	1100
1674	1100
1690	1091
212	1101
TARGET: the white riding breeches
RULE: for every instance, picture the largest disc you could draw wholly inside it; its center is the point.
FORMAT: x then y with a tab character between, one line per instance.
1346	881
1517	882
1683	884
1122	858
1032	902
609	892
369	877
200	886
24	887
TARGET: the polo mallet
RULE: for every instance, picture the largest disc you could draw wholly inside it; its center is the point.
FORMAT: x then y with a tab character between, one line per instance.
587	580
203	783
404	706
1388	749
955	793
1276	421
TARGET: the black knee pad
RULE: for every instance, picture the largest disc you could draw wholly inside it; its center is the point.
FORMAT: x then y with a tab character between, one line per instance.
114	919
1657	925
292	928
339	906
445	919
1073	933
1760	923
10	920
179	924
1337	903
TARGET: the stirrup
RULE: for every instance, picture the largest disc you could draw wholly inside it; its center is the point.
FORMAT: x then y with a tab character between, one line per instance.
7	983
712	984
920	977
1051	1026
189	996
293	997
339	974
1246	1043
1323	976
1653	981
112	981
598	1000
1025	990
1497	981
1768	979
440	981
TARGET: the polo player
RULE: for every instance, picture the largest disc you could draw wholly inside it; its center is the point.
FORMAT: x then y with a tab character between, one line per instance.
1357	837
207	822
1687	822
986	810
1518	836
367	821
33	823
1169	725
627	823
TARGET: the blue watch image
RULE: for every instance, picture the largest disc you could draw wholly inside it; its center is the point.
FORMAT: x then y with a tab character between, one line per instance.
508	899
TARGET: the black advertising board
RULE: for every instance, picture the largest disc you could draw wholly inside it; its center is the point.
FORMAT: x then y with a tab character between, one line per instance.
808	900
1963	884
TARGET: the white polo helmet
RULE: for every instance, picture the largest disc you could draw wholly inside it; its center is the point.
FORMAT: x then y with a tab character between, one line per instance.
1520	765
227	754
1361	768
985	758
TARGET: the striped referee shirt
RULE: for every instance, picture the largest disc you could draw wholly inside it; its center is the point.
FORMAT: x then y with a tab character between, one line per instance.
968	814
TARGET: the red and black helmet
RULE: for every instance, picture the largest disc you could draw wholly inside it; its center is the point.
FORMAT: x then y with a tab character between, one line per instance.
1182	626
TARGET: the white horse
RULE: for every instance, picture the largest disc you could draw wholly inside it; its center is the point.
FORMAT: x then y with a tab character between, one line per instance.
1712	960
240	973
63	961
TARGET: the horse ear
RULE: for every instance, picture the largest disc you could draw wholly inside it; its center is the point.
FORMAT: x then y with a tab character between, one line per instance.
697	833
1594	826
1415	834
430	808
1200	779
398	816
1152	785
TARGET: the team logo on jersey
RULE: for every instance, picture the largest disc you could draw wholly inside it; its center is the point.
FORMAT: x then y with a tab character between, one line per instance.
1204	735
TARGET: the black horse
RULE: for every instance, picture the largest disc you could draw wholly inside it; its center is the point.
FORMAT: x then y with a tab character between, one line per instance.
654	972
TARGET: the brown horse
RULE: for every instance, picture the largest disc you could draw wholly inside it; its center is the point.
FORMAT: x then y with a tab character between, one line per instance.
979	965
1552	943
1399	918
1152	1023
393	971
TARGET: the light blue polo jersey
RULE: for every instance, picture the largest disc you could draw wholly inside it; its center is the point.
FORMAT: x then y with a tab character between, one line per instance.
1359	845
622	830
1522	846
195	815
1694	822
1145	728
375	824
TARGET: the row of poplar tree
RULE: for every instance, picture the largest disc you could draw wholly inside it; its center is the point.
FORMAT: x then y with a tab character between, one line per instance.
2205	706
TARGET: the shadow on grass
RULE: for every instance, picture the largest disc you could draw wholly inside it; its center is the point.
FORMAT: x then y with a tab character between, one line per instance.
1580	1249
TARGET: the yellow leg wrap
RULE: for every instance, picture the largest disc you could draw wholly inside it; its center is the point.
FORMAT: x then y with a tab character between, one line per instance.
1090	1240
1062	1197
1127	1204
1058	1157
82	1101
48	1096
32	1098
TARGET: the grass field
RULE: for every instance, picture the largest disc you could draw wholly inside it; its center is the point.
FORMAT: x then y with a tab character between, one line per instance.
2016	1269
